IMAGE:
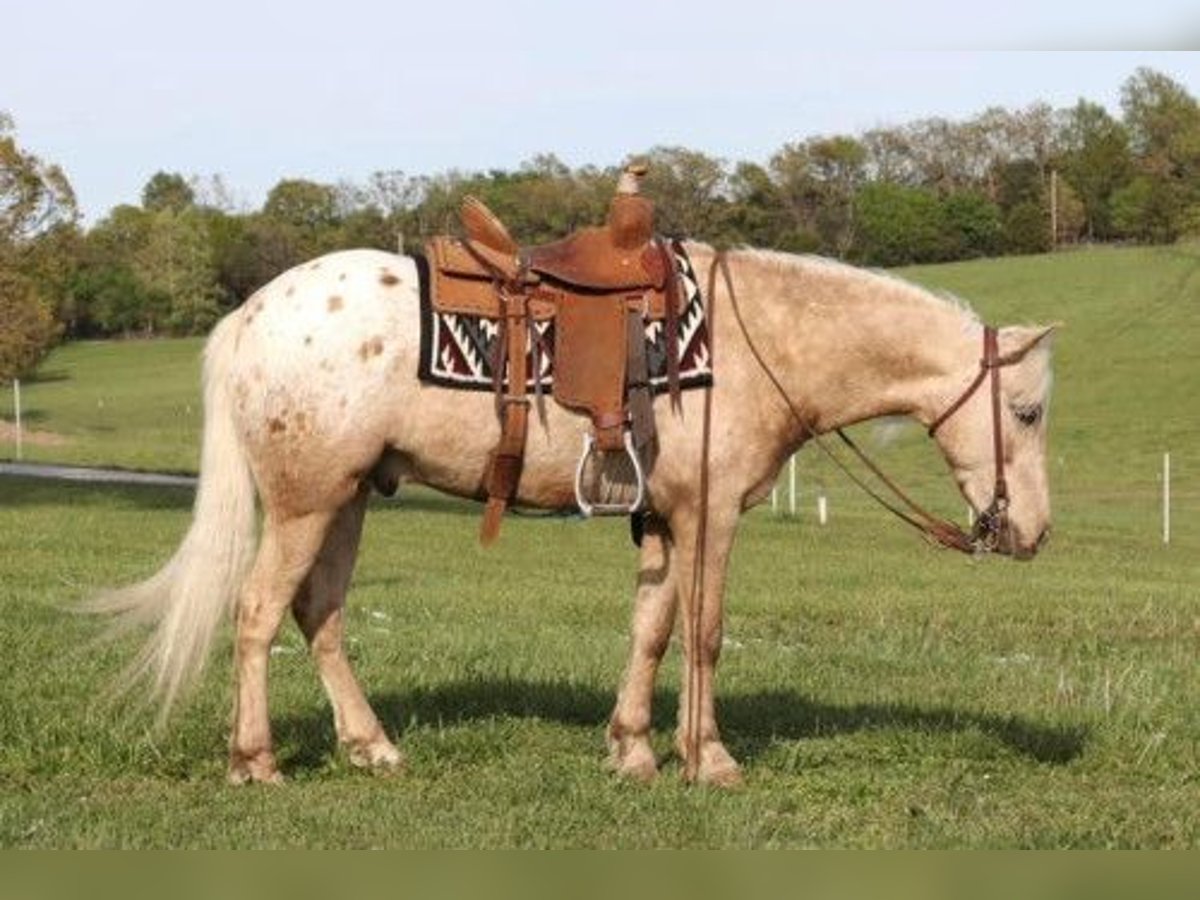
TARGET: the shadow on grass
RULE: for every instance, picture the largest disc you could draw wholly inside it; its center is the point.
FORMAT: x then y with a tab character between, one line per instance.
29	417
46	376
750	723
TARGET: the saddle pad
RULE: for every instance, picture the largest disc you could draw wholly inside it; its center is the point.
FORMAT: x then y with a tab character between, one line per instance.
458	350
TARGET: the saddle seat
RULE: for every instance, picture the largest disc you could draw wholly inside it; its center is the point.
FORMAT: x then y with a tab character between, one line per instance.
600	285
614	257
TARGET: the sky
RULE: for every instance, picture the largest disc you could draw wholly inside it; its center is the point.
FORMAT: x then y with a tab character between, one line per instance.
116	91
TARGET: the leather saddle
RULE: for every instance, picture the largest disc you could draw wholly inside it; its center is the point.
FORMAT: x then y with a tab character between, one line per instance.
600	285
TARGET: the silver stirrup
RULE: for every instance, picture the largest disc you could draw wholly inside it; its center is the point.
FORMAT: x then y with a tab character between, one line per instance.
609	509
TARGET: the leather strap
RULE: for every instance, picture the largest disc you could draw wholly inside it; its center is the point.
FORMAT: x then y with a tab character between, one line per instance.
504	466
639	398
692	713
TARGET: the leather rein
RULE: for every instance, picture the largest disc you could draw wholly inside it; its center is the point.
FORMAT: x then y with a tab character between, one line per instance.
991	525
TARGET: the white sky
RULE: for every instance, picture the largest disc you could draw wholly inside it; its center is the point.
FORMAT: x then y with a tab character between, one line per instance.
116	90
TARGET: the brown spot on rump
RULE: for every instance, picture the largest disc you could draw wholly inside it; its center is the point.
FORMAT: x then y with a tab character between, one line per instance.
342	276
335	303
307	340
302	422
291	290
276	425
370	348
388	278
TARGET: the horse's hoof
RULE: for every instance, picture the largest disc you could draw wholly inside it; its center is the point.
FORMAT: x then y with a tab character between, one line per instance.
722	776
259	767
379	755
635	763
717	768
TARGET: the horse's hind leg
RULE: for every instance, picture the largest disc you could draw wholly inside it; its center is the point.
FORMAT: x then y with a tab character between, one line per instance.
630	753
318	610
288	549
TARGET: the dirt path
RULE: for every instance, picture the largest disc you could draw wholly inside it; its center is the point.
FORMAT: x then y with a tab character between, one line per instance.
94	476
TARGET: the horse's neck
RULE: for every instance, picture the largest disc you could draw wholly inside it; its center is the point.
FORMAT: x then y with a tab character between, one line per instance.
855	345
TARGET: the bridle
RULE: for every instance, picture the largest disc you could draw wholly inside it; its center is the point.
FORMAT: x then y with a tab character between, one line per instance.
992	524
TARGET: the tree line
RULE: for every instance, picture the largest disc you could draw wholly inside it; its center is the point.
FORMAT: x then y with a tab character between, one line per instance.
1002	182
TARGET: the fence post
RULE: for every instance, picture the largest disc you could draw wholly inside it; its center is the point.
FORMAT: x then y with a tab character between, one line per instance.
17	408
792	486
1166	498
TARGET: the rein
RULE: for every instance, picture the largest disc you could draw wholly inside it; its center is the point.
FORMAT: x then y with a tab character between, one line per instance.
990	525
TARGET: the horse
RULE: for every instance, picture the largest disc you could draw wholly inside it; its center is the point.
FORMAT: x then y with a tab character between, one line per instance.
312	401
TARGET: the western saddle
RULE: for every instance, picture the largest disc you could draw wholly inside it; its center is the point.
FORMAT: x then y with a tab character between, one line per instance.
600	285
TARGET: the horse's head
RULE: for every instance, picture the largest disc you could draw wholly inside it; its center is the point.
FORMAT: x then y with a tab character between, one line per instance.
1009	491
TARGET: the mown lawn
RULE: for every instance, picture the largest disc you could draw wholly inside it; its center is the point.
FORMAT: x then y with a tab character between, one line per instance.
879	693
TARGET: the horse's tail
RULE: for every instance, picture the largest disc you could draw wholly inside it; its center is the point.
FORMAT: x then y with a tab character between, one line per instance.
186	600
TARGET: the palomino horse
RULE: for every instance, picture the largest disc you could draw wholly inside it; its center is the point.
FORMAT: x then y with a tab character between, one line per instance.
311	398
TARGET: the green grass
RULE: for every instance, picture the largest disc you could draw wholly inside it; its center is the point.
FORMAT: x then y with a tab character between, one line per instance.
130	404
878	693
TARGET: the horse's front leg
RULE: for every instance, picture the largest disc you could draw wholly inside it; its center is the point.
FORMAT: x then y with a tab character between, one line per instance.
654	608
700	572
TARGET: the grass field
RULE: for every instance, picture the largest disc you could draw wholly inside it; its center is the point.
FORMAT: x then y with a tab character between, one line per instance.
878	693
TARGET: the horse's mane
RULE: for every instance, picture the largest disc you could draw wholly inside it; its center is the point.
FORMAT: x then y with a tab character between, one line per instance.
893	284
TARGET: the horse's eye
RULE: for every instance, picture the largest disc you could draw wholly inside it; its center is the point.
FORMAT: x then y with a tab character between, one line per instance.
1028	415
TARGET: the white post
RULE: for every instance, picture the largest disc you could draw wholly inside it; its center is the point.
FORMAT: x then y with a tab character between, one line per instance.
775	500
1166	498
792	486
822	508
1053	209
17	407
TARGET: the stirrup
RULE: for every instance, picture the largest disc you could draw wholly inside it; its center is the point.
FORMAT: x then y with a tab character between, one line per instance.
609	509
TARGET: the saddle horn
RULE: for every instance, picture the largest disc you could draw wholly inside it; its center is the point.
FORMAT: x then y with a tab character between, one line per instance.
630	215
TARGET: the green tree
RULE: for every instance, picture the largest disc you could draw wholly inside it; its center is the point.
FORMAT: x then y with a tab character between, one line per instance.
1164	126
29	326
1026	228
305	205
37	212
1096	161
687	188
898	225
756	215
167	191
110	300
34	195
176	263
971	226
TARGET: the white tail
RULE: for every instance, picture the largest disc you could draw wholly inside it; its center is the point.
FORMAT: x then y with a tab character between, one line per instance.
188	597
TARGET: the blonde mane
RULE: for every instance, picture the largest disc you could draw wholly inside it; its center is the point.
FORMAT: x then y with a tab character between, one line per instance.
893	285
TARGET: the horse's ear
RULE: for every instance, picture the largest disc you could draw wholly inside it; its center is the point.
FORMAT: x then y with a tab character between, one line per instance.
1017	340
